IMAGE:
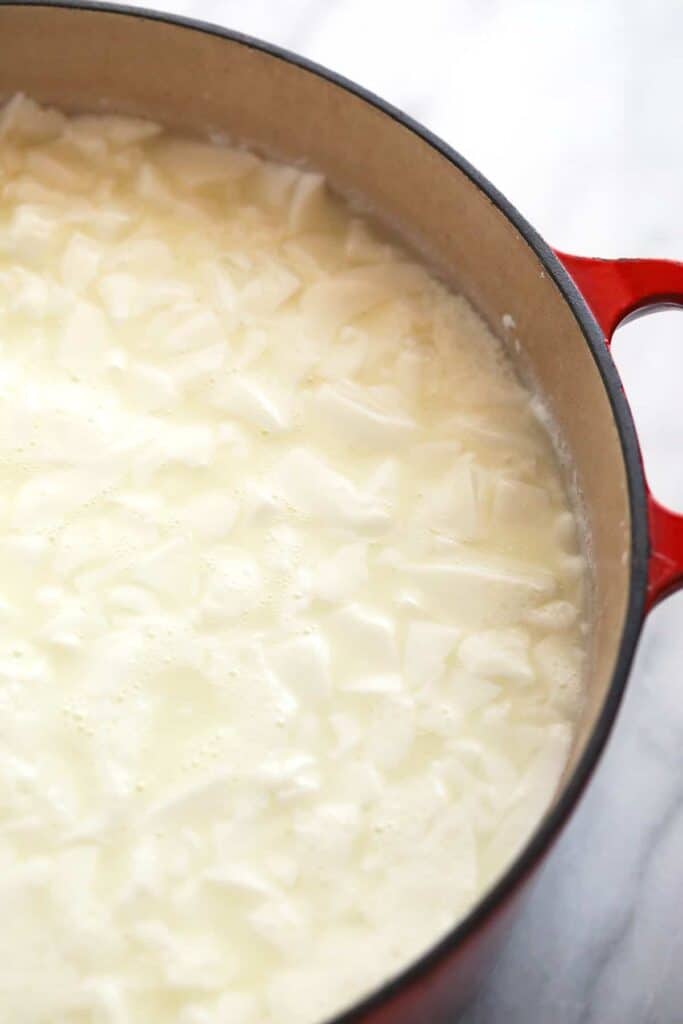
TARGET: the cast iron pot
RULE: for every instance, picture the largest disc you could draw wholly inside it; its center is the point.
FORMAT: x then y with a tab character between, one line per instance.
197	78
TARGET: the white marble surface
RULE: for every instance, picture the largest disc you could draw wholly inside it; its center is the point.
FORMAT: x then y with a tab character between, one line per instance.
563	105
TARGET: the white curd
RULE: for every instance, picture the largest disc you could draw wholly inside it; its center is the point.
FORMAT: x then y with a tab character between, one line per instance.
291	601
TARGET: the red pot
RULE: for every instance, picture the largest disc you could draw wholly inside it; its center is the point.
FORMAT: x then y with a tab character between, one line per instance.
196	77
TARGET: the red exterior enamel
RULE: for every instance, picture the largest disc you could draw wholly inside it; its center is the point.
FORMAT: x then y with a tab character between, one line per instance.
617	290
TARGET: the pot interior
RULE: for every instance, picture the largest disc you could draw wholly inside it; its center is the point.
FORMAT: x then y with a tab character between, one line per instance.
196	82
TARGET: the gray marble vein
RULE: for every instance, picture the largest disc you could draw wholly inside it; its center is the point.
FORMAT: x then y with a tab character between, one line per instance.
573	108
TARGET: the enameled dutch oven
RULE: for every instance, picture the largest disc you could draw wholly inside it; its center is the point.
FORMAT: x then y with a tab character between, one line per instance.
198	79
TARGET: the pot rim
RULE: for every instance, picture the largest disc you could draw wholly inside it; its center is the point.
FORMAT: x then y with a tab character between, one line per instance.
550	825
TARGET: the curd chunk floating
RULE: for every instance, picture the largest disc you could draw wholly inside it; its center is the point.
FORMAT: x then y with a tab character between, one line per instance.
291	597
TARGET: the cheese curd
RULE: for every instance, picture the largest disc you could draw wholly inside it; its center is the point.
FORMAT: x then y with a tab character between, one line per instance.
291	597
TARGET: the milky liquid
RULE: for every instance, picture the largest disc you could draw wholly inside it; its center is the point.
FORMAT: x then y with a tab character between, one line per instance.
291	635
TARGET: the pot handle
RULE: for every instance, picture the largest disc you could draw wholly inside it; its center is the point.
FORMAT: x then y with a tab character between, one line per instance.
616	291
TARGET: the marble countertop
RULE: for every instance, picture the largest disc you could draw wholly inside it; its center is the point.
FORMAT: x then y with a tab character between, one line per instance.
563	105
